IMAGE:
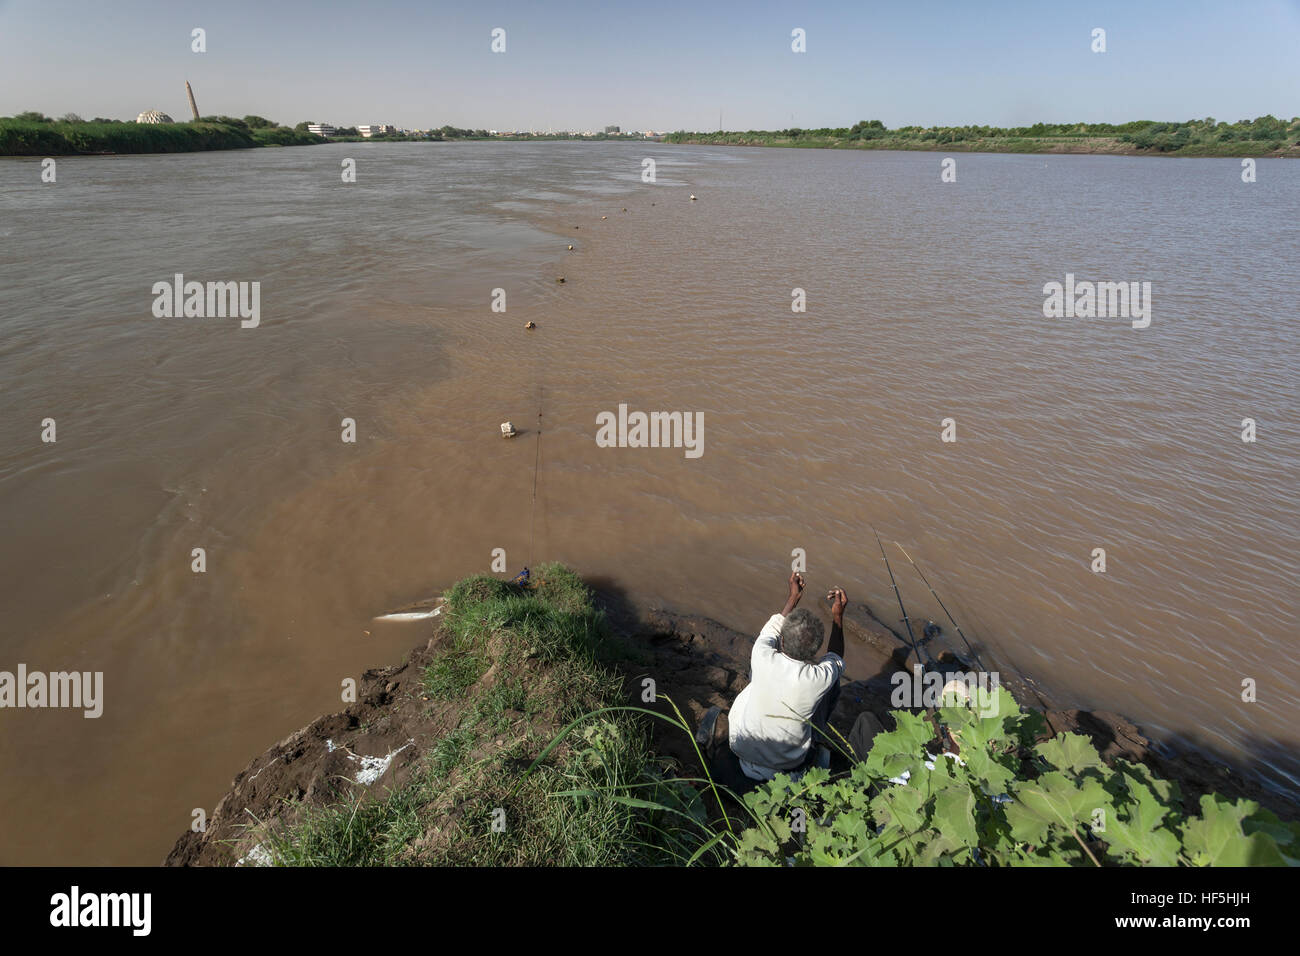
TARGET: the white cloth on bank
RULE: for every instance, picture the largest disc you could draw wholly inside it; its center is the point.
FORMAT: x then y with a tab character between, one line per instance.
768	727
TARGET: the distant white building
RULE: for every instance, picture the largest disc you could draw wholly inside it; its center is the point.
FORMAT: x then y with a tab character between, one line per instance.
376	129
321	129
153	116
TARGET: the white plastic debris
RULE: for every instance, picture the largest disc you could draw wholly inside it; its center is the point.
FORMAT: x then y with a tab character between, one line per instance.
259	855
372	768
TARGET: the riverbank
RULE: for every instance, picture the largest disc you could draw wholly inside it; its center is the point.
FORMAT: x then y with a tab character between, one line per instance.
25	136
520	734
1262	137
22	137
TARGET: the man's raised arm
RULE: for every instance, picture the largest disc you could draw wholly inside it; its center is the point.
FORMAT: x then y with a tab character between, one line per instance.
839	600
796	592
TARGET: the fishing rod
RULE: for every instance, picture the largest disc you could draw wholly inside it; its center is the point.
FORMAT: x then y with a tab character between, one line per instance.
942	605
906	620
1034	690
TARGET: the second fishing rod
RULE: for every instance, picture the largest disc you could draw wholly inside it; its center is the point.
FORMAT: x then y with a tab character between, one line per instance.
907	621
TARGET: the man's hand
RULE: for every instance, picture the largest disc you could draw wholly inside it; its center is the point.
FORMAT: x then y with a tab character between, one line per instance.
796	592
839	600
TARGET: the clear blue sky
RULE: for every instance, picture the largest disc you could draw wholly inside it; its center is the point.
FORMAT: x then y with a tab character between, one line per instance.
573	64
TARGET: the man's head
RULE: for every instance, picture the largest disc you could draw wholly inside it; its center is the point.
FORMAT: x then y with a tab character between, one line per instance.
801	635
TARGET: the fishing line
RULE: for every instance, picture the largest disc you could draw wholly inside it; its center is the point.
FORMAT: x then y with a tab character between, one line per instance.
906	620
1001	652
537	462
952	619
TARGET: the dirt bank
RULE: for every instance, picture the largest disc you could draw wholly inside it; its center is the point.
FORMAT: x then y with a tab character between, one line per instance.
376	743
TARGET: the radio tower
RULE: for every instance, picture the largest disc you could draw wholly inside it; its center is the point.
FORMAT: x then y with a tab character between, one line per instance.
190	93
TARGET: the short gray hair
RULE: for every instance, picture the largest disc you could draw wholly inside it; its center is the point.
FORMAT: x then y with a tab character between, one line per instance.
801	635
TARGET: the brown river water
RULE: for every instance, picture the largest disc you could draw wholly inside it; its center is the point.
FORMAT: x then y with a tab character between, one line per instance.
925	302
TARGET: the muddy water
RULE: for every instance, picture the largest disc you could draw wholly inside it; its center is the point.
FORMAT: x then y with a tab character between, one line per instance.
924	303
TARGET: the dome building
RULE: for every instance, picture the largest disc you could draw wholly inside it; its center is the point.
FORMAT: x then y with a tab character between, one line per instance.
153	116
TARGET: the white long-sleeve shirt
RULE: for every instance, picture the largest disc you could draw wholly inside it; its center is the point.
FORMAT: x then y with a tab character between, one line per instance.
768	727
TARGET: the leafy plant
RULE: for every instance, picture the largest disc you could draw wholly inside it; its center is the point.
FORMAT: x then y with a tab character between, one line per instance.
1004	800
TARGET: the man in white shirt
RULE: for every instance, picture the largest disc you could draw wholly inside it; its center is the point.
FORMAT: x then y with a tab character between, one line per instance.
790	691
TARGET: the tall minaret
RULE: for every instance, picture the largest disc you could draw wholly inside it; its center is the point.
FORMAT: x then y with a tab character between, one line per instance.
190	93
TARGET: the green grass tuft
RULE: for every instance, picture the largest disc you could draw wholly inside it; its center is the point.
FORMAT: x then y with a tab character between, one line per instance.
499	789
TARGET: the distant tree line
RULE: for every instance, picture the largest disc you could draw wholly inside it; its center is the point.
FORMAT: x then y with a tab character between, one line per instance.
32	133
1193	137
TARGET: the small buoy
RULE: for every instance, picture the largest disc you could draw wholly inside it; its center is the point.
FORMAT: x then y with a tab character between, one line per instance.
692	197
508	430
570	247
559	278
604	217
625	207
530	325
577	227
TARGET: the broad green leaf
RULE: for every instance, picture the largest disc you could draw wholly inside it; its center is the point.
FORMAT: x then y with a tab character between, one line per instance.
943	775
757	848
1135	830
992	774
1046	857
1216	837
981	733
1158	847
814	777
1265	821
1166	791
1072	752
943	849
780	826
899	806
1143	808
954	815
863	776
900	749
1053	800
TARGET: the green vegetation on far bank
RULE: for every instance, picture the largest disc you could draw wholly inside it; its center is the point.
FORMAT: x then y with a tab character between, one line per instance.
443	134
545	742
32	134
1264	136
